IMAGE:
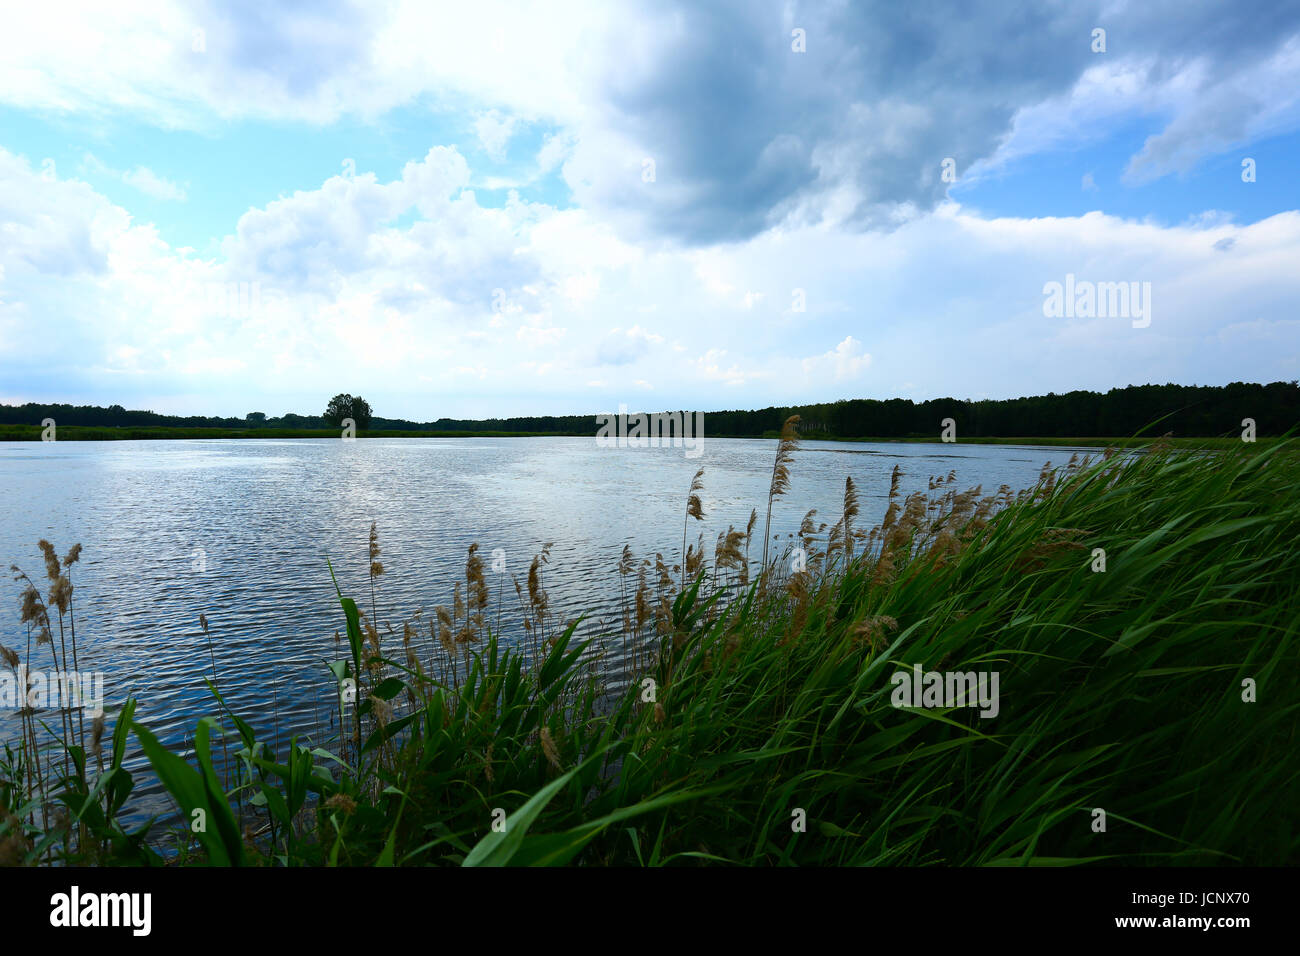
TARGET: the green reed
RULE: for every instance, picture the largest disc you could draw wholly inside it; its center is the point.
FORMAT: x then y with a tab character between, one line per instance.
762	730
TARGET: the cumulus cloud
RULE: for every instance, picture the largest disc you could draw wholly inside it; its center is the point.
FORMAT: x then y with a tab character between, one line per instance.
745	132
494	131
843	363
711	366
624	346
141	178
324	286
775	172
55	227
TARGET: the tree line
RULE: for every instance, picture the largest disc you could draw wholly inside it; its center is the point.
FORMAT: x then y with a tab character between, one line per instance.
1185	410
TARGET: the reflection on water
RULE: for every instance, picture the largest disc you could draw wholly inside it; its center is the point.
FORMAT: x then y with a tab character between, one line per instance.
241	531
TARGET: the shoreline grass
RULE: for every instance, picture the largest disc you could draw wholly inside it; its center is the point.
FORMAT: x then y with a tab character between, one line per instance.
167	433
764	731
1214	443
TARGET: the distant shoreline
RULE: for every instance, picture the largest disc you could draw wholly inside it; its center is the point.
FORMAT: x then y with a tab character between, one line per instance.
10	433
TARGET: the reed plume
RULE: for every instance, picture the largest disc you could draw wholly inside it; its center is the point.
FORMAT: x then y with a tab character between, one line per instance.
548	747
749	535
727	553
1048	478
97	740
891	512
476	585
51	559
694	509
59	595
695	557
536	594
445	628
642	601
69	559
626	565
835	544
850	512
785	449
376	568
874	630
808	532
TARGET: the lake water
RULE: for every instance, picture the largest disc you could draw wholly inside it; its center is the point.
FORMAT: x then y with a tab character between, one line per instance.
241	531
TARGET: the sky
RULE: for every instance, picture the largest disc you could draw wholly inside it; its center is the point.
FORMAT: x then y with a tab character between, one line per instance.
494	208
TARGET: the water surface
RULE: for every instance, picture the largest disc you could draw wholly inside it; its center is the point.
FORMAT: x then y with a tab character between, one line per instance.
240	530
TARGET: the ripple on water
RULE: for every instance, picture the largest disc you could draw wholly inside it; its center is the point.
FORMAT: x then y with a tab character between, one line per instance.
241	531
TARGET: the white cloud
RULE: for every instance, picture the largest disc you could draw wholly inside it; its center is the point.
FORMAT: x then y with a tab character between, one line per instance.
582	288
636	332
555	150
843	363
178	64
141	178
1205	110
536	336
494	132
149	183
710	368
787	142
1212	114
950	304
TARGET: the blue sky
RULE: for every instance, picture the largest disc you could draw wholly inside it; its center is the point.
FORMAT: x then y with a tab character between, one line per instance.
512	209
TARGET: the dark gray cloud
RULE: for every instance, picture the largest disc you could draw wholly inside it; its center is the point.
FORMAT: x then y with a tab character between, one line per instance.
746	133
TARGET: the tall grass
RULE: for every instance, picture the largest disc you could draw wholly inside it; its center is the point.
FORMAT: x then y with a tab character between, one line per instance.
762	729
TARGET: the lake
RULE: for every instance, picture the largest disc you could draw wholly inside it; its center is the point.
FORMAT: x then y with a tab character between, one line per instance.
241	531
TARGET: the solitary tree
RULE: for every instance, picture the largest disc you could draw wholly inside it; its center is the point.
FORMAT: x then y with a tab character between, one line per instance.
361	412
343	406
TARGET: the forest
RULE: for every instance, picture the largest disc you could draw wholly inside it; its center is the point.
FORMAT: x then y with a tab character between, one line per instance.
1151	410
